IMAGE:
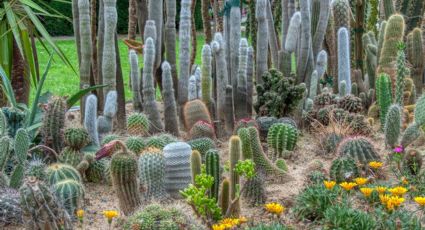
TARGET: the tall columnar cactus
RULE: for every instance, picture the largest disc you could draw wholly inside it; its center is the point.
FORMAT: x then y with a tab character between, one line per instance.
314	81
305	52
104	122
70	193
137	124
149	101
170	107
234	155
212	163
254	191
229	107
359	148
411	133
400	81
218	47
393	126
192	88
150	30
381	38
135	81
3	124
235	37
371	62
321	63
241	91
384	96
244	135
388	8
90	119
249	80
109	64
85	43
41	209
416	58
344	69
152	171
319	24
342	168
184	51
156	14
170	40
195	164
177	167
53	123
225	196
124	173
271	34
394	33
293	32
195	111
206	79
280	138
420	111
262	40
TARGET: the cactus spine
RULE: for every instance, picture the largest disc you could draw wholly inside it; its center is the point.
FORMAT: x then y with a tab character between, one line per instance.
109	64
212	162
359	148
343	167
206	80
85	43
384	96
177	167
411	133
420	111
70	193
170	107
262	40
152	170
235	153
137	124
218	47
400	81
280	138
184	51
135	81
241	94
90	119
148	87
53	123
124	173
392	125
344	69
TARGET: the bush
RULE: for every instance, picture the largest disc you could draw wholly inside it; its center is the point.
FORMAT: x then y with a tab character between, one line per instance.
270	226
343	217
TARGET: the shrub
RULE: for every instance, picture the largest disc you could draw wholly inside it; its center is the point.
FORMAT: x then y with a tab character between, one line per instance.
312	203
343	217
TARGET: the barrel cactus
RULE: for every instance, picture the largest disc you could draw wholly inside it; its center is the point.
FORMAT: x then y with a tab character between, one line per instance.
137	124
76	137
195	111
342	169
152	171
359	148
53	123
70	193
202	145
58	172
280	138
202	129
135	144
351	103
177	167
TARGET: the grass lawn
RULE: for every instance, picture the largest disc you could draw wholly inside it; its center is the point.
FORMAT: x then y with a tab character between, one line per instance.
61	79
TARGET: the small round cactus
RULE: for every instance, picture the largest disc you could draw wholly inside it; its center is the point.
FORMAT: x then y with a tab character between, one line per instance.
70	156
137	124
359	148
76	138
351	103
342	169
135	144
70	193
202	129
58	172
95	171
37	169
108	138
202	145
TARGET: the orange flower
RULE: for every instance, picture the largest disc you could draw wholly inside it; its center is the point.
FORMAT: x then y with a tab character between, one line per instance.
420	200
366	191
381	189
375	164
329	184
347	186
398	191
361	180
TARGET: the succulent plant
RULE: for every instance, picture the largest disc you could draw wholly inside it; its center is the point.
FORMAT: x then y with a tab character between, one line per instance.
70	156
342	169
95	171
202	145
10	208
37	169
135	144
245	123
202	129
177	167
76	138
138	124
53	123
58	172
412	161
351	104
392	126
195	165
70	193
195	111
280	138
359	148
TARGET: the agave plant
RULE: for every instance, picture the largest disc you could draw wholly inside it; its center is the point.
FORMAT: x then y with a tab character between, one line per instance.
20	27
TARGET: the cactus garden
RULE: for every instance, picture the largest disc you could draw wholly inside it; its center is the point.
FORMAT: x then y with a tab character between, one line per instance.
212	114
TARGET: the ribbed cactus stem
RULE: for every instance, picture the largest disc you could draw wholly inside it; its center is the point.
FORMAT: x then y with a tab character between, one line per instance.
235	153
392	126
206	80
184	51
388	8
244	135
249	80
342	88
305	57
344	69
170	40
271	34
322	24
156	14
85	43
314	81
229	120
195	164
109	64
381	36
235	37
177	167
241	94
416	58
262	40
135	81
212	163
225	196
149	30
104	122
3	124
400	81
53	123
170	107
384	96
218	47
293	32
150	105
90	119
321	63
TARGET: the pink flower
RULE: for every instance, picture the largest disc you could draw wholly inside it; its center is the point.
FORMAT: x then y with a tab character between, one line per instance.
399	149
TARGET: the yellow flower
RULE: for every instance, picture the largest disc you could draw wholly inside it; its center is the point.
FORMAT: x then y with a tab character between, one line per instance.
366	191
80	213
394	202
275	208
404	181
420	200
375	164
347	185
361	181
384	199
110	215
398	191
381	189
243	220
329	184
218	227
229	222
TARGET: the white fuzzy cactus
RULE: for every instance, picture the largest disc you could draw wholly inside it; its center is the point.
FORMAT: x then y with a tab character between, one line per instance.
177	167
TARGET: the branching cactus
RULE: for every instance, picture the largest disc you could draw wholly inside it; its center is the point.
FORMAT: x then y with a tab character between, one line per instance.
138	124
212	162
359	148
344	69
149	101
70	193
384	96
109	64
281	138
152	171
184	51
177	167
262	40
90	119
206	79
218	47
195	111
392	126
104	122
241	91
135	81
53	123
234	156
41	209
170	107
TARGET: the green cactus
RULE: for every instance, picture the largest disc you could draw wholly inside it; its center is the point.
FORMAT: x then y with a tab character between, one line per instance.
359	148
135	144
244	123
225	196
21	147
412	162
254	192
11	211
152	171
392	127
15	118
70	193
384	96
76	138
41	209
37	169
331	142
202	129
212	162
234	156
3	124
411	133
170	108
415	57
206	78
202	145
420	111
280	138
401	73
155	142
53	124
195	111
138	124
108	138
70	156
195	164
244	135
351	103
343	169
95	172
58	172
109	64
388	8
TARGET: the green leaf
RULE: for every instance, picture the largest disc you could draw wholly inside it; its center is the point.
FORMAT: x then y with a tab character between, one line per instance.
77	96
28	52
11	18
34	6
7	88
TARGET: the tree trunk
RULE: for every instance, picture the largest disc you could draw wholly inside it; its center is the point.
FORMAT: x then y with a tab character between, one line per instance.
206	20
142	15
100	37
76	24
19	79
121	119
170	41
132	19
193	34
218	20
94	78
360	8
